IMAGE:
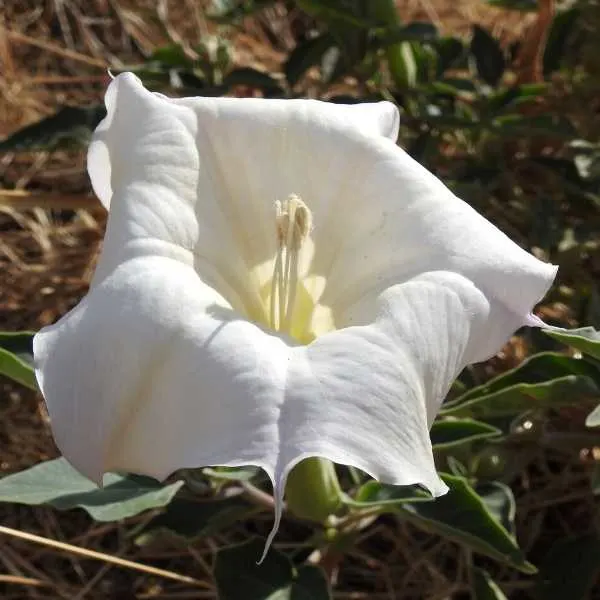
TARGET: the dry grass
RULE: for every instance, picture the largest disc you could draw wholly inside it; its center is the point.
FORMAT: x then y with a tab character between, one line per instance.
56	52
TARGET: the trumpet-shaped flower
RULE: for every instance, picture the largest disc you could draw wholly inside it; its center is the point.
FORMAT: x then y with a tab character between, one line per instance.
278	281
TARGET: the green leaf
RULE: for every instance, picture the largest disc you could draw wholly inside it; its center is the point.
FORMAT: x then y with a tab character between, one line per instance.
593	419
238	577
450	51
233	473
253	78
528	387
16	358
70	126
171	56
556	45
585	339
56	483
305	55
446	433
569	568
453	86
373	494
500	501
544	125
191	520
522	5
457	467
463	516
489	58
513	96
402	57
484	587
403	65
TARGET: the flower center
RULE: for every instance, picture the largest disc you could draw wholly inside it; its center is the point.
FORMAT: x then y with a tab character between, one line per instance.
293	221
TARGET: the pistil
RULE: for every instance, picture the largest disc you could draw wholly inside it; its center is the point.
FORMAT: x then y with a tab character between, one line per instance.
293	221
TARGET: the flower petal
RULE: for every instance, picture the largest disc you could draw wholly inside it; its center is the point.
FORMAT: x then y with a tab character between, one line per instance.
381	118
366	396
153	372
379	217
167	378
362	395
168	373
204	191
410	223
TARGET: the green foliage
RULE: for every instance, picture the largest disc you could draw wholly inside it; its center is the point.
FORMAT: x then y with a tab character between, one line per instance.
488	56
254	79
545	380
16	358
57	484
585	339
238	577
195	519
71	127
557	44
377	495
464	516
484	588
305	55
446	433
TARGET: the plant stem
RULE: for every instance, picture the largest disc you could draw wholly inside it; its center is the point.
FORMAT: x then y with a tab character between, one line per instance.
399	56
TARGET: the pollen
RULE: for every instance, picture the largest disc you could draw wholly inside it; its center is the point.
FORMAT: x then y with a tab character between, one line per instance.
293	224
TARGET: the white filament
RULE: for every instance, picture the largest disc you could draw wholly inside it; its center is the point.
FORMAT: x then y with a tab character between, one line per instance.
293	222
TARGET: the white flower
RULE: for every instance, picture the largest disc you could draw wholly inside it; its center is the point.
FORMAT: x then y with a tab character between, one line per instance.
279	280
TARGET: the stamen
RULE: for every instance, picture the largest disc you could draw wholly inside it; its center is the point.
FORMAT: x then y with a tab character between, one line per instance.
293	222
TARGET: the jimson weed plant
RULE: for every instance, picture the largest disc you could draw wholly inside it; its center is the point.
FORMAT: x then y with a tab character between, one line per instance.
284	313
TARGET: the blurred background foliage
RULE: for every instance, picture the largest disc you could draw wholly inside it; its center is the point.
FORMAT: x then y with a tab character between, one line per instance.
501	99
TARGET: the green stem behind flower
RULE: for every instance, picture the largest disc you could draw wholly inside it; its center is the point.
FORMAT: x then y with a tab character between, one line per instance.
312	490
400	58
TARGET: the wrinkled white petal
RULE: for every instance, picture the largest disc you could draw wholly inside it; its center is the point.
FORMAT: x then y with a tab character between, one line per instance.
162	367
207	188
153	372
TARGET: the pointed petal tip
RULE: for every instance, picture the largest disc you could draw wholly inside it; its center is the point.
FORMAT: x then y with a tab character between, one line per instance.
532	320
431	481
438	488
551	276
391	117
126	78
98	155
